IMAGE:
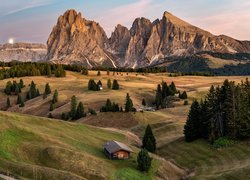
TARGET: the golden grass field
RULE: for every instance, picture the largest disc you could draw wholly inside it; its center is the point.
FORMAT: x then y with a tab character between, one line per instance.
198	158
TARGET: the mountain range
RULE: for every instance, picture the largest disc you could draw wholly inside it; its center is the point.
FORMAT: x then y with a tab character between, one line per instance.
75	39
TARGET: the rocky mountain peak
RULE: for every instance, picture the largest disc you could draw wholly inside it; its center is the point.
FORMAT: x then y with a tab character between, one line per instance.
76	39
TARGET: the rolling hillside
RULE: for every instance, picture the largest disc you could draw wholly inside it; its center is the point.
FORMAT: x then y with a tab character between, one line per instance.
39	148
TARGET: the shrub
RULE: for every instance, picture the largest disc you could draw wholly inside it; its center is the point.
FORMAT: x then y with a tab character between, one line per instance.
223	142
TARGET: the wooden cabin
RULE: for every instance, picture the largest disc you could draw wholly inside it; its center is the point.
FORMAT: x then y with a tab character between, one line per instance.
117	150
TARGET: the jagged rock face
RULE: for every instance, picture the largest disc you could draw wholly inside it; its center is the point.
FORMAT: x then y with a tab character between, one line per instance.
24	52
119	40
77	40
151	42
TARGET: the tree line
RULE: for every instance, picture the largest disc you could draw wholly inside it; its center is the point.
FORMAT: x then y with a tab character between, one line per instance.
13	70
225	112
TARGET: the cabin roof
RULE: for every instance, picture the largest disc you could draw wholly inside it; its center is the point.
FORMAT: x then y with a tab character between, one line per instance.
114	146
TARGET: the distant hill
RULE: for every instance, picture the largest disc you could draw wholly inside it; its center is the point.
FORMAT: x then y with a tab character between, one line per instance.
24	52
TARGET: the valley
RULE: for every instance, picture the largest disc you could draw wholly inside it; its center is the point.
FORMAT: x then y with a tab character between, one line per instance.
81	141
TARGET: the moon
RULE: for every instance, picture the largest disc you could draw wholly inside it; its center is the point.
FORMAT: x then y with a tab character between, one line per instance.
11	41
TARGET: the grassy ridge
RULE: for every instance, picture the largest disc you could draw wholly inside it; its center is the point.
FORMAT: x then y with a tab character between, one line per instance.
40	148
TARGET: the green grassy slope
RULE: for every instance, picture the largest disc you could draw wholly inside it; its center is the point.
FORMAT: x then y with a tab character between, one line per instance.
198	157
34	147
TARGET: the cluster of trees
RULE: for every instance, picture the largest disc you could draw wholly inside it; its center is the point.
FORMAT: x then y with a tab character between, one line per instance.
183	95
111	107
114	107
76	111
18	69
163	91
225	112
14	88
33	91
93	86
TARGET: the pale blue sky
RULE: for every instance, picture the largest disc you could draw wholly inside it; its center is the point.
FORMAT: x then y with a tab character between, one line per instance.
32	20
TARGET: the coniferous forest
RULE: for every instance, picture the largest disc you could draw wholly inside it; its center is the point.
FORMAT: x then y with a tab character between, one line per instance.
225	112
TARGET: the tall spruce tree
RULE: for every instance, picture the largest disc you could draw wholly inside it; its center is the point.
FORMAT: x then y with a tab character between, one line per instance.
79	111
115	85
19	99
149	141
55	97
73	105
173	88
32	90
191	128
129	107
144	161
47	90
158	97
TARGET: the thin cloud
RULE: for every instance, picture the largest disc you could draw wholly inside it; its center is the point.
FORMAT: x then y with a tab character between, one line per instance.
29	5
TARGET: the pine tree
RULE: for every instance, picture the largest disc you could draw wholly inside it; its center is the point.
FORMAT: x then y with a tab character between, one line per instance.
164	90
98	73
143	102
51	108
47	90
129	107
99	84
79	111
149	141
72	112
144	161
191	128
183	95
21	84
109	85
108	72
8	102
8	88
19	99
173	88
115	85
32	90
158	97
55	97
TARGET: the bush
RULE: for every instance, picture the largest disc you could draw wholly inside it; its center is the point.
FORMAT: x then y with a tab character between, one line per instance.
185	102
92	111
223	142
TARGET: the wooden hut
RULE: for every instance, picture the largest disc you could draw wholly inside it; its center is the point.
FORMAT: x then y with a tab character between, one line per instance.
117	150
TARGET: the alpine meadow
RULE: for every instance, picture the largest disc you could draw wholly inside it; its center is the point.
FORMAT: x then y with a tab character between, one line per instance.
161	100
